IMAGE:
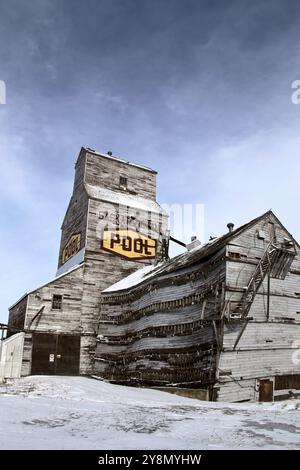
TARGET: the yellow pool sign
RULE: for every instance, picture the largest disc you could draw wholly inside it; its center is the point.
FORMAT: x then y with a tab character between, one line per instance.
71	248
129	244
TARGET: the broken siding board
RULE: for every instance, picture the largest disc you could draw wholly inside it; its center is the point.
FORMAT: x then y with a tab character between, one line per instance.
180	330
178	292
178	317
182	366
158	340
205	336
201	277
156	301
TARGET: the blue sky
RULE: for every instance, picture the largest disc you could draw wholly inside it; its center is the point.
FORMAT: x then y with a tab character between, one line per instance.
199	90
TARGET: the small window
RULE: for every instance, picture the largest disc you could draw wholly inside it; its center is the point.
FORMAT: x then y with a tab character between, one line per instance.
56	302
261	234
123	183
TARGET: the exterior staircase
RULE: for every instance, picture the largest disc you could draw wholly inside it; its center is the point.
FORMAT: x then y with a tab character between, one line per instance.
276	262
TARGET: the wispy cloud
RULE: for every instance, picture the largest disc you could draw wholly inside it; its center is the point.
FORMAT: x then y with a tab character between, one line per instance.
15	175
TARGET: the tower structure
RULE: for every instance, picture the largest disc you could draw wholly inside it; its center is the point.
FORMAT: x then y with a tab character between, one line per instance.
113	226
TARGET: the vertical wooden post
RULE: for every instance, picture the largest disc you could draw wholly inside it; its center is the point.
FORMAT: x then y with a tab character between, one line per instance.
55	357
268	296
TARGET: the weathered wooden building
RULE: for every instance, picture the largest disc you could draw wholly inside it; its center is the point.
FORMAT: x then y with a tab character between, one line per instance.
223	318
113	226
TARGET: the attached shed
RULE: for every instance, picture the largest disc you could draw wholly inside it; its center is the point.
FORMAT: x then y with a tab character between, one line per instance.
223	317
50	317
11	353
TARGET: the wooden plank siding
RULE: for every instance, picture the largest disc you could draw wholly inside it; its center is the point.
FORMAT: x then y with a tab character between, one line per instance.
266	347
91	209
175	327
40	317
16	318
75	220
161	332
105	172
102	269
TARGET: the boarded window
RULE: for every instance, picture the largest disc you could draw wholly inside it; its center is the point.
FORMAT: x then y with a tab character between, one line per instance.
235	255
56	302
123	183
261	234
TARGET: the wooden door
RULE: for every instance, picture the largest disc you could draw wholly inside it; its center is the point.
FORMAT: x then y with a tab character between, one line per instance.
55	354
67	356
265	390
43	354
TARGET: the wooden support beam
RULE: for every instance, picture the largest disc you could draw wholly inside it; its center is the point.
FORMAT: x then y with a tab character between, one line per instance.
216	335
246	321
37	315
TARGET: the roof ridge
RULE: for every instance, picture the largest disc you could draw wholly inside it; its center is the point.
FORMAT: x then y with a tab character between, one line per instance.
205	250
119	159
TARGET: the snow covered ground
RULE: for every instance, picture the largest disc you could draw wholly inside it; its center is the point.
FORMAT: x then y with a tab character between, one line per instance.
42	412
